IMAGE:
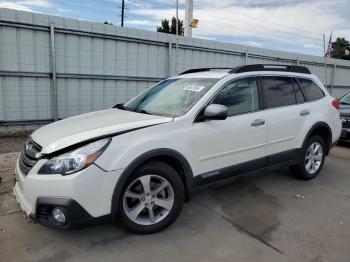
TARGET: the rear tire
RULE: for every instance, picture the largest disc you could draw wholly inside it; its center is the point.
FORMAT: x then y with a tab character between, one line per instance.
151	199
311	160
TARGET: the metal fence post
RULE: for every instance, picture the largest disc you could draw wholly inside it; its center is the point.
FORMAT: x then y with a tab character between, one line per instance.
53	73
169	58
246	56
333	77
325	71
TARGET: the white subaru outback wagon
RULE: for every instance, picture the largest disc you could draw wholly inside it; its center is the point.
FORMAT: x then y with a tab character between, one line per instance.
138	162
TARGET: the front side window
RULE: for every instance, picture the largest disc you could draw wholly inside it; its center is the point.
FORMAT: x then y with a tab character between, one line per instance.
172	97
311	90
239	96
278	91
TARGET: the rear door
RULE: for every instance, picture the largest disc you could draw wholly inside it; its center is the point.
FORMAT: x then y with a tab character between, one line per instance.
286	112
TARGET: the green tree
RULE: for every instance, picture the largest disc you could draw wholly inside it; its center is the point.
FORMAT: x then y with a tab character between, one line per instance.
171	29
340	49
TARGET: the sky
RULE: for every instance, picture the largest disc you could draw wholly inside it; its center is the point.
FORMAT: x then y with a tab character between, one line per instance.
288	25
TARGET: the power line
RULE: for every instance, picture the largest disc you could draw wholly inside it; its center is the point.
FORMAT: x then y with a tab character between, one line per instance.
290	35
316	36
268	21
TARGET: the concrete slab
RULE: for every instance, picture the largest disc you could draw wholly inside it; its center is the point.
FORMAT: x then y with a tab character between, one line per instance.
270	217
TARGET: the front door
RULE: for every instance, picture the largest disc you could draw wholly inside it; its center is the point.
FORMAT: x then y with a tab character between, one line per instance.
240	138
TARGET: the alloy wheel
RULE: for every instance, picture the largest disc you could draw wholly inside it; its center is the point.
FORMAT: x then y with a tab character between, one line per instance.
148	200
313	157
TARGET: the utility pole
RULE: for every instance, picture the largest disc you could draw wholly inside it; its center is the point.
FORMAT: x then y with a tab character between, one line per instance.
122	18
188	17
177	17
324	44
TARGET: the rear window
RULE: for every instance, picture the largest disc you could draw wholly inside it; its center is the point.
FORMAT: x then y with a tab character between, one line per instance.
311	90
278	91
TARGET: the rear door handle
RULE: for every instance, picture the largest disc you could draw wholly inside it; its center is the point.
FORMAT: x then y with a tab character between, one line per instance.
258	122
304	112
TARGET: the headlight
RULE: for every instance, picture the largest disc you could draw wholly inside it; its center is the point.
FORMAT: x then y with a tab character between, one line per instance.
75	160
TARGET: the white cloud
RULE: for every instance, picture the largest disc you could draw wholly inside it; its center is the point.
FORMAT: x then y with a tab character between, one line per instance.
24	5
16	6
306	45
296	22
253	43
204	37
39	3
139	22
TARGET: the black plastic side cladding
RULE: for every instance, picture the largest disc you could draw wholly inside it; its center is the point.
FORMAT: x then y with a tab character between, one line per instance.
314	127
143	158
77	216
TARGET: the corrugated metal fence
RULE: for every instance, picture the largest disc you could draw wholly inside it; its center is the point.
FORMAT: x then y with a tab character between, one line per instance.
53	67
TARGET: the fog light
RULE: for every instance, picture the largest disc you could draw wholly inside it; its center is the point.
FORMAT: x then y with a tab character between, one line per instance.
58	215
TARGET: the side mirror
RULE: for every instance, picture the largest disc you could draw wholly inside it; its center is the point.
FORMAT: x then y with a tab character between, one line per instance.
119	106
215	112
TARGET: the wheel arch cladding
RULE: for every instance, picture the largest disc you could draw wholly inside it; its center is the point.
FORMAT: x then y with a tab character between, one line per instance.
169	156
323	130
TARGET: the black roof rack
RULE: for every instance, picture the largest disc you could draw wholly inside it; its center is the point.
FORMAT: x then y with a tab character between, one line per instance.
254	67
197	70
270	67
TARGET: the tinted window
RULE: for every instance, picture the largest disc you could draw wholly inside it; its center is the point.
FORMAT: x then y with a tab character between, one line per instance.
278	91
310	89
345	99
240	96
298	94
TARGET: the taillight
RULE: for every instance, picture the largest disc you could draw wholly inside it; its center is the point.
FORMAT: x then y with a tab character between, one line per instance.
335	104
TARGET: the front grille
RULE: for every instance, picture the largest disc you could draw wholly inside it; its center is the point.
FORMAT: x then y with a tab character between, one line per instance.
29	156
346	123
43	212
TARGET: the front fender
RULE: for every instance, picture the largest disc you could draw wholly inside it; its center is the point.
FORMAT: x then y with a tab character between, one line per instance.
125	148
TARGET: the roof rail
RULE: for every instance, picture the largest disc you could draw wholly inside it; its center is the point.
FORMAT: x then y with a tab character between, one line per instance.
197	70
252	68
270	67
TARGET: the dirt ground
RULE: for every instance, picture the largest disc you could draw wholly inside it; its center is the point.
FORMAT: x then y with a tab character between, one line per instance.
270	217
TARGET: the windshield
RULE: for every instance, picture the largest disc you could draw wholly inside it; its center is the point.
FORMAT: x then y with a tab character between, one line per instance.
345	99
172	97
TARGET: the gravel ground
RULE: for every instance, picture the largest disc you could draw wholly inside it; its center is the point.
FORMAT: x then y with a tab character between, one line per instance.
11	144
273	217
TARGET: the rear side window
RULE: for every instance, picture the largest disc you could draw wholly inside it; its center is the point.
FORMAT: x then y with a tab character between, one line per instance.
298	94
278	91
311	90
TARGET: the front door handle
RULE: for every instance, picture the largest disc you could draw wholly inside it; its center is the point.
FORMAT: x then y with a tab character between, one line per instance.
258	122
304	112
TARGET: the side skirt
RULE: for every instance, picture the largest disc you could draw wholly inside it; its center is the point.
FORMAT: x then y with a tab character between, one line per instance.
249	168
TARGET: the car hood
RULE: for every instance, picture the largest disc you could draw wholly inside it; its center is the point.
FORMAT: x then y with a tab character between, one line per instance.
73	130
344	110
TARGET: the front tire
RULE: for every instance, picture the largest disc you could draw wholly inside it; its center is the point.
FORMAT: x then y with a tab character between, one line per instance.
151	199
311	160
